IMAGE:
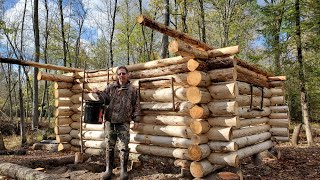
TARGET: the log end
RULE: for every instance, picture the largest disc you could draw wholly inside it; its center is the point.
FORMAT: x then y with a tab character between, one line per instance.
196	169
173	46
140	19
194	95
194	78
64	147
199	126
196	112
39	75
193	65
194	152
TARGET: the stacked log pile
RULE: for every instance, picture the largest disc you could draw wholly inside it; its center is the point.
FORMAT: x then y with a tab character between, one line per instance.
279	117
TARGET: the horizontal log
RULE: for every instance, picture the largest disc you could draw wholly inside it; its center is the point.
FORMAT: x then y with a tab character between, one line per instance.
249	79
279	123
251	150
63	111
277	100
76	117
219	133
77	98
54	77
199	126
87	126
226	51
228	108
78	87
180	79
162	141
222	75
278	116
277	91
96	144
199	139
251	74
62	85
280	139
247	131
276	83
203	168
229	159
63	121
163	94
253	121
63	93
198	65
198	95
245	88
254	101
253	139
279	131
245	112
227	90
63	138
198	78
64	147
63	102
179	153
16	171
88	135
46	147
180	107
62	129
186	50
160	130
223	146
277	78
280	109
198	152
200	111
232	121
146	21
94	151
166	120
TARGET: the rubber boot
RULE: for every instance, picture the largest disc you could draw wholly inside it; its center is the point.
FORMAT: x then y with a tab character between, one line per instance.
123	165
109	164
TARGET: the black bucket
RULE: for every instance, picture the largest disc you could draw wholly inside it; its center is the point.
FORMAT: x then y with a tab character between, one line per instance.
93	112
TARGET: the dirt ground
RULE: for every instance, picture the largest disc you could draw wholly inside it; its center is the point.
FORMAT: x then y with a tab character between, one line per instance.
299	162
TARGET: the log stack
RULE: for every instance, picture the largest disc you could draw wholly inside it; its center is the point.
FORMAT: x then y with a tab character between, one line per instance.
204	108
279	117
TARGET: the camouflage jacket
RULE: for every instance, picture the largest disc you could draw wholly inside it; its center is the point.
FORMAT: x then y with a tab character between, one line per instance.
124	103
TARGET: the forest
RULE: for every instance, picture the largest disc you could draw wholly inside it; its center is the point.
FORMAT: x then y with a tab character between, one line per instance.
280	36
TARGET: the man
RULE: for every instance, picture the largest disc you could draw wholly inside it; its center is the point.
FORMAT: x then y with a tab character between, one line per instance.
124	106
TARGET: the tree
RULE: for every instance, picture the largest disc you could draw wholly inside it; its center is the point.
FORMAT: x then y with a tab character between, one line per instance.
304	103
35	114
64	43
165	38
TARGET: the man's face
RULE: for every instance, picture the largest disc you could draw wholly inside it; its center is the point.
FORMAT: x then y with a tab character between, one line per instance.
122	75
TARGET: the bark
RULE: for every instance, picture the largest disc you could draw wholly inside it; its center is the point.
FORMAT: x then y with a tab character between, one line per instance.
203	23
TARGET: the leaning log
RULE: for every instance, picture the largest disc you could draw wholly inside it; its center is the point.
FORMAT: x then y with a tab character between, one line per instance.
171	32
20	172
186	50
251	150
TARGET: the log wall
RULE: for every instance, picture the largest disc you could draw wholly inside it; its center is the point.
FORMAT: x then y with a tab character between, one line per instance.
224	109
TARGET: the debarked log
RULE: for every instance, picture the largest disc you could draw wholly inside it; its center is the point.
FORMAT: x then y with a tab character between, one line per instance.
277	91
253	121
280	139
245	88
277	100
63	121
180	107
166	120
198	95
24	173
223	146
163	94
160	130
254	149
199	152
77	98
88	135
227	108
63	93
203	168
279	131
253	139
54	77
278	116
219	133
63	111
63	138
280	109
247	131
62	129
223	90
245	112
62	85
198	78
200	111
87	126
229	159
179	153
279	123
228	121
63	102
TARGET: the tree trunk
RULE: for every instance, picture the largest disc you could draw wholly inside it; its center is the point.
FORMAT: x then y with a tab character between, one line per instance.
165	38
2	146
304	102
35	114
295	134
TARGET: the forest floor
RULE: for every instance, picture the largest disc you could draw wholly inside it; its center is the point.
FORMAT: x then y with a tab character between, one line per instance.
300	162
